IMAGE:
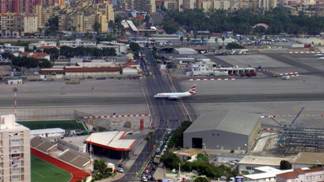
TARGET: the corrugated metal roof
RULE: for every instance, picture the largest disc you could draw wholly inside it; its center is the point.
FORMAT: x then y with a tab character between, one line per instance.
229	121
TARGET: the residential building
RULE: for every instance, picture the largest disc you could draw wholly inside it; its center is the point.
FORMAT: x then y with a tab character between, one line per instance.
61	3
267	4
189	4
84	22
223	130
172	5
110	12
302	175
11	24
15	150
30	24
222	4
103	21
144	5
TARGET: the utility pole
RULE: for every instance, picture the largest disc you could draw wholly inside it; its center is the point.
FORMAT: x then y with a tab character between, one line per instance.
15	90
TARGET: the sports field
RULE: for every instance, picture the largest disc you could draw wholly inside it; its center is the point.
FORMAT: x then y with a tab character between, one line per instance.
64	124
42	171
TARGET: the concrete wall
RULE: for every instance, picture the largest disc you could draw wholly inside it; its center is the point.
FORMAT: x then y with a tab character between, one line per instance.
254	134
217	140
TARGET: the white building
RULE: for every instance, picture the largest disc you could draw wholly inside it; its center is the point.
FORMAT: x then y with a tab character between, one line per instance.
120	48
10	48
42	44
207	69
77	43
15	150
15	82
265	173
49	132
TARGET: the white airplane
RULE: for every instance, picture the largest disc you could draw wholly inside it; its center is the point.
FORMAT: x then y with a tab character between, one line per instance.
177	95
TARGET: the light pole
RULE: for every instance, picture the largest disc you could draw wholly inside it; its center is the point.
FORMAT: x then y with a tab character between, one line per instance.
15	90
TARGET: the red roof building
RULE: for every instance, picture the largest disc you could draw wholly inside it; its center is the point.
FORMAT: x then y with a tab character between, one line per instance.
302	175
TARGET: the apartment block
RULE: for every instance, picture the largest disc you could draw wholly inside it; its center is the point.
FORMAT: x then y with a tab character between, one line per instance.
14	150
30	24
11	24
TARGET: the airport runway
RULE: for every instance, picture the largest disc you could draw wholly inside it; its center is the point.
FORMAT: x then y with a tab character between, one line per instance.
285	58
164	106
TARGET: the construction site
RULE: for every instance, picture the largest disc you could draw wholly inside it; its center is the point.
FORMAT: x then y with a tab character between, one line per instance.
288	137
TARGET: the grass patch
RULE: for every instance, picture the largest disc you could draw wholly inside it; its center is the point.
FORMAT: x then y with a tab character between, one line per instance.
42	171
64	124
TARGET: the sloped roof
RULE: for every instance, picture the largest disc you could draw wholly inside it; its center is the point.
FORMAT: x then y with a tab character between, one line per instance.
229	121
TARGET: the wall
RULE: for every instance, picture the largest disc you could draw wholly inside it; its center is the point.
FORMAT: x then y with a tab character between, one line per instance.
254	134
217	139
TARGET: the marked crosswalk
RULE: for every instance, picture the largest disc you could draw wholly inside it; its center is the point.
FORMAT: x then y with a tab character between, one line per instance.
211	79
117	116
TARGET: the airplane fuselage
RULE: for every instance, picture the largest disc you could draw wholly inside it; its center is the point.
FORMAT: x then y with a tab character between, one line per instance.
172	95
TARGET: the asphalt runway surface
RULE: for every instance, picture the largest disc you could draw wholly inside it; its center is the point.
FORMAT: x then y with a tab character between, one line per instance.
285	58
100	100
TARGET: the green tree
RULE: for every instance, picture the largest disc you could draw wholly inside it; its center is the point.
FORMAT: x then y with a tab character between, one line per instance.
52	25
176	140
170	160
100	170
45	63
202	157
234	45
181	39
134	47
285	165
170	26
201	179
53	52
242	21
96	27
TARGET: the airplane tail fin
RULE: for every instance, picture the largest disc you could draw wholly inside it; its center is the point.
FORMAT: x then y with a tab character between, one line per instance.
193	90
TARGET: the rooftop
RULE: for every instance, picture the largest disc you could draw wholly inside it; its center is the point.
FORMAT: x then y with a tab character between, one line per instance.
267	172
112	140
262	160
185	50
47	130
296	172
310	158
8	122
229	121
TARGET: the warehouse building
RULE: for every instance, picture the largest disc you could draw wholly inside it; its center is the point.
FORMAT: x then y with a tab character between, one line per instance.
224	130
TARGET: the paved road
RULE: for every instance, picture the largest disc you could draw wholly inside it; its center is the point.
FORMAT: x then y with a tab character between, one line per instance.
169	108
165	113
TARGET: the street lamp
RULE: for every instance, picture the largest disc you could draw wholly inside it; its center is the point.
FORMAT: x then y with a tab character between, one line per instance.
15	90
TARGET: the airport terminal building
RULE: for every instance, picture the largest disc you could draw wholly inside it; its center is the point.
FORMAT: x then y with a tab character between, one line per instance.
223	130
